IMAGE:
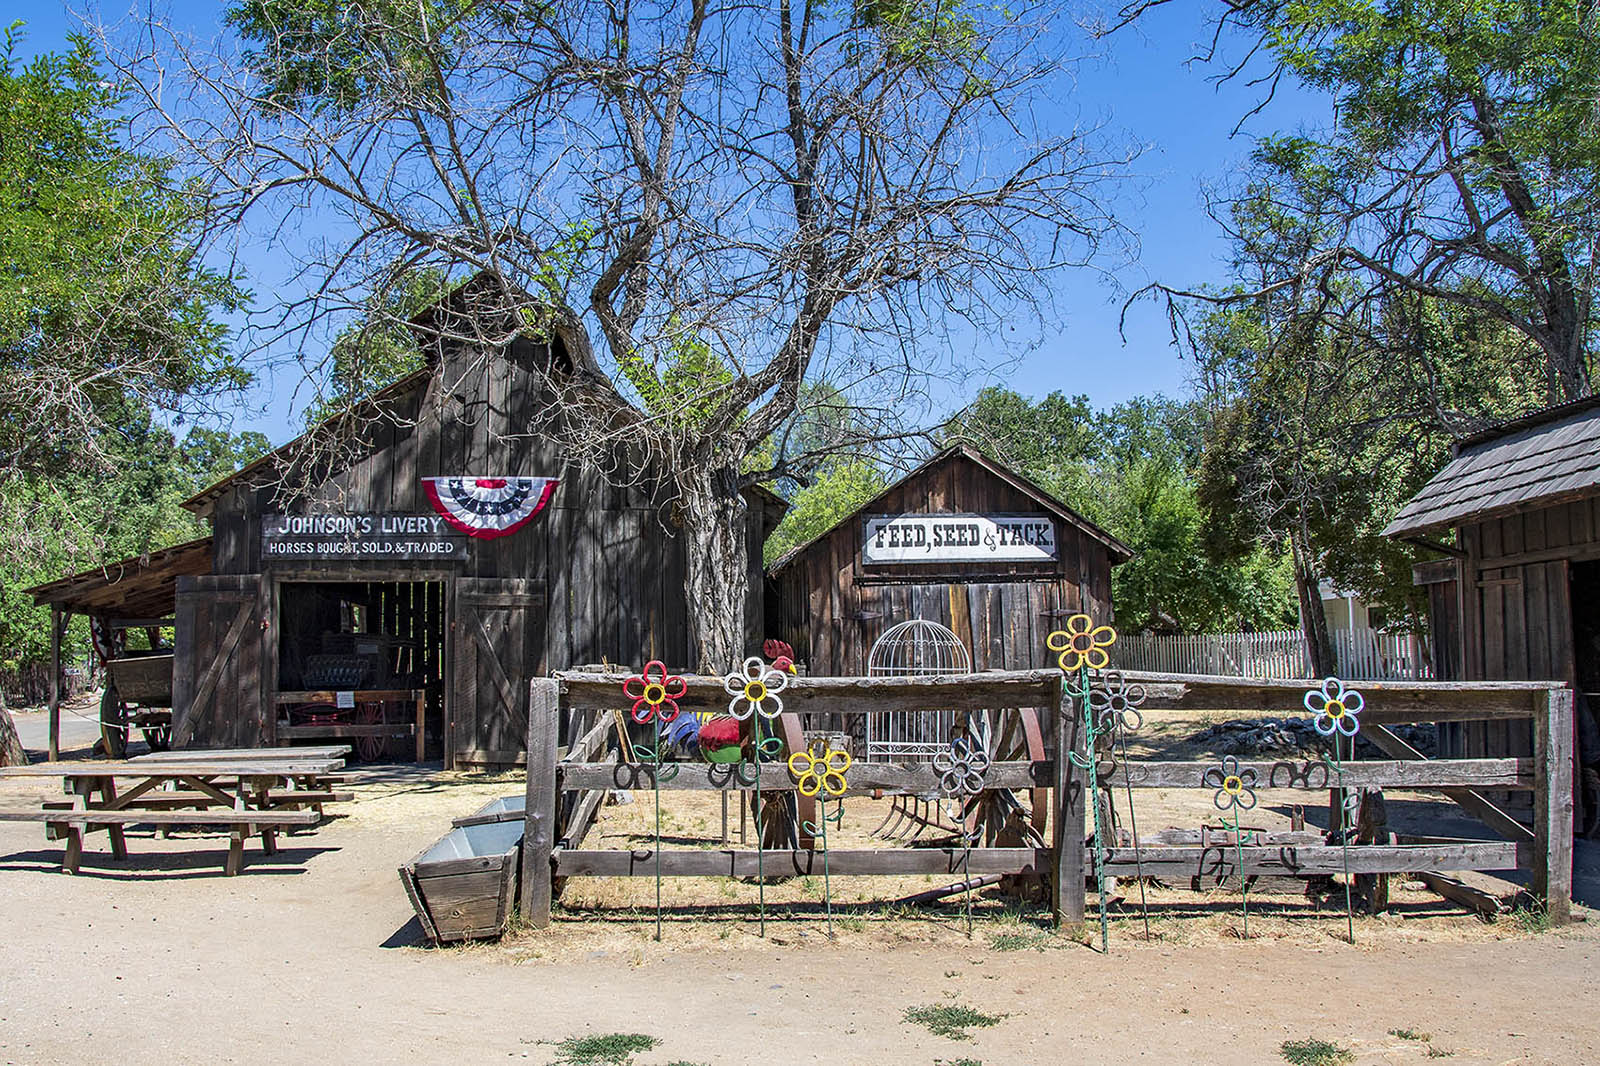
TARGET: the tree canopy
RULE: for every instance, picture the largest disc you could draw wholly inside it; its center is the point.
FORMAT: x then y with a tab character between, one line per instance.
105	304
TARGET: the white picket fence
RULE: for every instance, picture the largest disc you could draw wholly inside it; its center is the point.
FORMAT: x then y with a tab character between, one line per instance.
1363	654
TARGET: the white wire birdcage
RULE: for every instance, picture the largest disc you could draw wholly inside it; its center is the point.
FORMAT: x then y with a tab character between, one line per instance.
916	648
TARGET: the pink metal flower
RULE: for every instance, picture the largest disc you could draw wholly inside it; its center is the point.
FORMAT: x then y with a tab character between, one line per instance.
655	693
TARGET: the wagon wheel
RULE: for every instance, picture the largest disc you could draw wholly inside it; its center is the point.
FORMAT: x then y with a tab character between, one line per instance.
1022	739
113	722
370	748
158	735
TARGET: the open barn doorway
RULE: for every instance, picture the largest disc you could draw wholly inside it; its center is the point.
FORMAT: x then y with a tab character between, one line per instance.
363	662
1586	654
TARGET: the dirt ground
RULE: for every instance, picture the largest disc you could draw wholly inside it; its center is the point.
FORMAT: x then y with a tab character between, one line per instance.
313	954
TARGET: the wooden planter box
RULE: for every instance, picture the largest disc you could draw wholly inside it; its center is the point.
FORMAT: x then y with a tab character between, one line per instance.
504	809
464	885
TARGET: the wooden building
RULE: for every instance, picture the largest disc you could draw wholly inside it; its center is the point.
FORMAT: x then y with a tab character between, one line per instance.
431	541
961	541
1517	597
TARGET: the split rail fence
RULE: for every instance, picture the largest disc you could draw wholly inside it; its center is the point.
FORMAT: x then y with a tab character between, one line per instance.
567	784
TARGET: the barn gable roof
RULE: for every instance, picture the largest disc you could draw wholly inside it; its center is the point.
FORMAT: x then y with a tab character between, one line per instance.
1118	551
1536	460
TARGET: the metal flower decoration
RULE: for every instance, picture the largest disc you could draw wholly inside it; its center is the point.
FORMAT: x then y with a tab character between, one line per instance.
1082	644
1236	787
655	693
961	767
755	687
820	769
1336	707
1115	704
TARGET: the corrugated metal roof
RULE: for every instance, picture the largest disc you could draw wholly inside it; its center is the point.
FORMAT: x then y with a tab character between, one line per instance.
1530	460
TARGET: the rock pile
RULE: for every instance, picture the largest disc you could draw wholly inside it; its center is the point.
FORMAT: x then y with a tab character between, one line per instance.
1294	736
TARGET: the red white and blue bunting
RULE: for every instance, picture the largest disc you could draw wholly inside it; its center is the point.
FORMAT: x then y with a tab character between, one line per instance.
489	507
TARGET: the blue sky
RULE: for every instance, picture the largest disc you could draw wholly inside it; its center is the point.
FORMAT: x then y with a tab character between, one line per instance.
1140	87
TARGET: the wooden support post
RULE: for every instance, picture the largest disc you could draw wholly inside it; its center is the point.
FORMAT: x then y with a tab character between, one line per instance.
422	723
1067	838
1552	804
538	836
55	683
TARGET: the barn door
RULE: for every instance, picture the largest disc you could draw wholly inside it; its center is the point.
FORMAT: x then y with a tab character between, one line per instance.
217	696
499	647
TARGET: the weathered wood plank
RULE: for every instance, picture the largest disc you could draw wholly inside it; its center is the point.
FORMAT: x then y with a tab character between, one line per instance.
1552	806
538	838
1314	774
1221	861
842	862
1474	803
846	695
866	777
1387	702
1066	869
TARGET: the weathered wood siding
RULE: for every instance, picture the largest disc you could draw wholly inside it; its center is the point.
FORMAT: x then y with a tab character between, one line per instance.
1512	620
831	607
596	578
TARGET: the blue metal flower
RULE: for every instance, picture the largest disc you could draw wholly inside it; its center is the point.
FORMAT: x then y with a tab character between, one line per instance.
1336	707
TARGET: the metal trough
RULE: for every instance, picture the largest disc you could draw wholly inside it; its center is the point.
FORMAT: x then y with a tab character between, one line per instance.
463	886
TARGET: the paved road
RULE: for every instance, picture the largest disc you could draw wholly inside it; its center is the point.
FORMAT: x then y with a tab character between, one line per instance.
34	729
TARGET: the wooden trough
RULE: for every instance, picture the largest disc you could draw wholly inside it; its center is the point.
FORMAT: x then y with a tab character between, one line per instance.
463	886
504	809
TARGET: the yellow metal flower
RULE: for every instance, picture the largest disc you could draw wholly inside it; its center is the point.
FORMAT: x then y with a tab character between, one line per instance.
1082	644
821	769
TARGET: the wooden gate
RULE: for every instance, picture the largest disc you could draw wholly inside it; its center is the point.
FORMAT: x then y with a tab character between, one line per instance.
499	646
217	695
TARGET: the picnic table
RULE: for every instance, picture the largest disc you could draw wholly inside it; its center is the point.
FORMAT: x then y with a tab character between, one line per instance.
252	792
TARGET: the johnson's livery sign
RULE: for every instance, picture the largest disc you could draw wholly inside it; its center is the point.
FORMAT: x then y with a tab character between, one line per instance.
400	537
958	538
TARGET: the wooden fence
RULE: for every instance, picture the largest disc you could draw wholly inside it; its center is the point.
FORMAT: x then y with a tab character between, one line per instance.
565	789
1363	654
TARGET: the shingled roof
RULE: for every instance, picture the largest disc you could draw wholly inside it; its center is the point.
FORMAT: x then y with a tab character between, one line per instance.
1539	459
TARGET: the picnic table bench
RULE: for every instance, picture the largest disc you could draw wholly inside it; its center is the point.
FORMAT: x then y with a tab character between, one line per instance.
250	793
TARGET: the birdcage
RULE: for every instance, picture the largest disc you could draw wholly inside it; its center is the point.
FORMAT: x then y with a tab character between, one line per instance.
917	648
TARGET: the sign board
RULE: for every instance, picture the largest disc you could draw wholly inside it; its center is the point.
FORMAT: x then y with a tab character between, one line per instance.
959	538
392	537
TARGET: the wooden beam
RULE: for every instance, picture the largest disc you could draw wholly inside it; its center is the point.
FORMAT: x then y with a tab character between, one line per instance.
538	838
1552	805
863	777
1387	702
845	695
1315	774
842	862
1067	865
1219	861
1471	801
55	682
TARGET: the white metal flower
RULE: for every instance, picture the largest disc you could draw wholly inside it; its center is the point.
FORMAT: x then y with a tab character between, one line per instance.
1336	708
755	687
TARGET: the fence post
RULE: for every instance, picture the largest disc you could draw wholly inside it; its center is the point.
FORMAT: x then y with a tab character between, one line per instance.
1068	884
1552	803
539	827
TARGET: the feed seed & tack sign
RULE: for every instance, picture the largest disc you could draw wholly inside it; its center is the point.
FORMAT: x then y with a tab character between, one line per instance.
958	538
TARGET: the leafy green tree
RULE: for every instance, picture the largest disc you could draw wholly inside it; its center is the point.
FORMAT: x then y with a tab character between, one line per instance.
1463	164
837	491
104	301
1132	470
380	348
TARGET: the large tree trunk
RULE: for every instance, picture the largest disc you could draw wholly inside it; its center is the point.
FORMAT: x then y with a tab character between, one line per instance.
11	751
1313	619
718	577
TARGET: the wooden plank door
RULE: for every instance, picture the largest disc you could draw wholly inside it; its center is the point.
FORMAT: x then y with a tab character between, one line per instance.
218	700
499	641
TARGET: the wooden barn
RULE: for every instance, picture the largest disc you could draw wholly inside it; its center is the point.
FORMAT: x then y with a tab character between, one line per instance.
1518	596
961	541
399	573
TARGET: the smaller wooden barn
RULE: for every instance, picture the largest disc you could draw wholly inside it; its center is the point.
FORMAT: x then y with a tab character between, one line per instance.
961	541
1517	596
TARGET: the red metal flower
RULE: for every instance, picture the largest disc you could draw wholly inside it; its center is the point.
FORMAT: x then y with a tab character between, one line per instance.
658	693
